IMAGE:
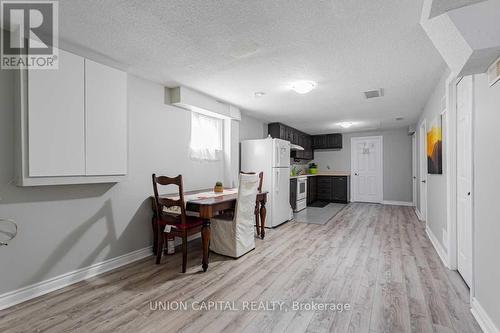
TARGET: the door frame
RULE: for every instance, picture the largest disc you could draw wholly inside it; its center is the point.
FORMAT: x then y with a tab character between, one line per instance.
380	138
414	168
453	222
422	153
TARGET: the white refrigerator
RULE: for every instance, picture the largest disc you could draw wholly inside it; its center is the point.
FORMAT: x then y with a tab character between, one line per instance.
271	156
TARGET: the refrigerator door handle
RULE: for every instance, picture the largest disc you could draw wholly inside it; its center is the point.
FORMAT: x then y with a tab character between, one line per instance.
277	181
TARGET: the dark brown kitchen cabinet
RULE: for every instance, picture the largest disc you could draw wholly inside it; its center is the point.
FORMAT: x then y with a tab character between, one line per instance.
281	131
324	189
340	185
312	189
332	189
319	141
327	141
293	193
308	153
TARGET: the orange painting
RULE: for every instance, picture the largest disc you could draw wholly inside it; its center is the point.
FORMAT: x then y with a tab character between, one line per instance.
435	147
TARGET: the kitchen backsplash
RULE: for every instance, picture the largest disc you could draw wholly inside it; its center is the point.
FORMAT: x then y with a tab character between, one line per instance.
301	167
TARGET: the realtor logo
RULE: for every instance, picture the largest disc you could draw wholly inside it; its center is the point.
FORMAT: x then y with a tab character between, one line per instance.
29	31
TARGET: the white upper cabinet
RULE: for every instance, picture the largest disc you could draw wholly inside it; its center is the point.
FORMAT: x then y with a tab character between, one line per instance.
72	124
56	119
106	120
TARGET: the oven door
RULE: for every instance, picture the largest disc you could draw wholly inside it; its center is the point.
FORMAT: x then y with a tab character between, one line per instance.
301	188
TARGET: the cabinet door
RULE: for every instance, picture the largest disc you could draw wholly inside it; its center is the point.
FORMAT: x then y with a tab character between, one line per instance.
309	153
315	189
300	142
338	141
330	141
293	193
324	188
106	120
289	134
340	186
311	189
283	132
56	119
319	141
275	130
334	141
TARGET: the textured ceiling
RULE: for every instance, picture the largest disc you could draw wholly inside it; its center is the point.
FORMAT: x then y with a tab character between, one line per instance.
231	49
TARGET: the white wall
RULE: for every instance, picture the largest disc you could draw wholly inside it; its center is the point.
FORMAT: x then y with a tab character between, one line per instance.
486	189
63	228
486	184
436	184
251	128
396	160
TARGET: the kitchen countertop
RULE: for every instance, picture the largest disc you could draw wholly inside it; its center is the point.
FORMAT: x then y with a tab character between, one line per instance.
324	173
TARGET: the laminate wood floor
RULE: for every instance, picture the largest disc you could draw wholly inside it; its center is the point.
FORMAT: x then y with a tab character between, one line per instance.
376	259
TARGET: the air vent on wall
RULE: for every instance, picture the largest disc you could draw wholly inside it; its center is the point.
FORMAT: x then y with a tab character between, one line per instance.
494	72
374	93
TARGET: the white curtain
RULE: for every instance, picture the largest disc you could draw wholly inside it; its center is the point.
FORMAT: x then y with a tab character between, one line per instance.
206	137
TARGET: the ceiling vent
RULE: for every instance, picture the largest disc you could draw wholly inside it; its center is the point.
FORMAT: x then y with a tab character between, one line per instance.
374	93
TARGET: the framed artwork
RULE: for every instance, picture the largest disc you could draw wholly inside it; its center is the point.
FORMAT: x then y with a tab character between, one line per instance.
435	147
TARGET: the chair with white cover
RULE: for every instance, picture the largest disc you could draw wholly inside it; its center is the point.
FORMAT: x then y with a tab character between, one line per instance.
233	236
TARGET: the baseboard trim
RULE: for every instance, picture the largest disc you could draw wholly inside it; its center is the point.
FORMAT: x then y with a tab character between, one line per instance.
397	203
482	318
419	215
438	247
41	288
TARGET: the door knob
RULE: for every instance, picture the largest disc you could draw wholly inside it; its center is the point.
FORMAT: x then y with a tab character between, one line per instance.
423	181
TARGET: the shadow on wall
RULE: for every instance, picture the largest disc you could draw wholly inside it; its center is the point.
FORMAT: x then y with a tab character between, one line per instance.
110	239
10	193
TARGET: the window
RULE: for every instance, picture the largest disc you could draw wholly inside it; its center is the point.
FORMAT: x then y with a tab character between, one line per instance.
206	137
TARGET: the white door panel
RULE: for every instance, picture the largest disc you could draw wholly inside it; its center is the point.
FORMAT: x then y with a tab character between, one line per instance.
366	164
464	178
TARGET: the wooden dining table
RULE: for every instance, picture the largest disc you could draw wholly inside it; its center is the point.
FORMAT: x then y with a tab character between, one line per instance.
209	207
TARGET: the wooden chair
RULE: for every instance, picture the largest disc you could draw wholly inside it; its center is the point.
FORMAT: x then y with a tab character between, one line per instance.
180	224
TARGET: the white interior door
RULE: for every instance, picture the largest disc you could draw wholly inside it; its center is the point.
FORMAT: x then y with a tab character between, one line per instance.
414	168
367	172
423	169
464	178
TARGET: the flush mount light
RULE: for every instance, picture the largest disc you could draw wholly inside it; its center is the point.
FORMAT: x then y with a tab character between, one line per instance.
259	94
303	87
345	124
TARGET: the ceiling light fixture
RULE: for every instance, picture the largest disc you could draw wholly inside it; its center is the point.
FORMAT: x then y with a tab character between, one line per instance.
259	94
303	87
345	124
